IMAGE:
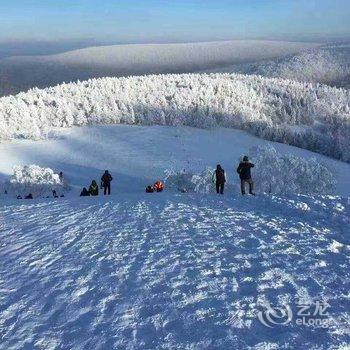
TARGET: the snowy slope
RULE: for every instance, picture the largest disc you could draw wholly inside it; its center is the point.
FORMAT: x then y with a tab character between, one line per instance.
172	272
137	155
21	73
167	270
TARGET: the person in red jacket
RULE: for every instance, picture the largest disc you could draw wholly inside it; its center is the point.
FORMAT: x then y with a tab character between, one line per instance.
158	186
106	182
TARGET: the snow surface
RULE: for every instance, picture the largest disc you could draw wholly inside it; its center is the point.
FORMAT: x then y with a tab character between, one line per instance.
166	270
137	156
21	73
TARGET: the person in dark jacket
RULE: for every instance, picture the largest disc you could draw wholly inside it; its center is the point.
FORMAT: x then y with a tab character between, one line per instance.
106	182
84	193
219	177
93	189
149	189
29	196
245	175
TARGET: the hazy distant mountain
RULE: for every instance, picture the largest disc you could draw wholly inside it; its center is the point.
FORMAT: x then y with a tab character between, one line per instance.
327	64
23	72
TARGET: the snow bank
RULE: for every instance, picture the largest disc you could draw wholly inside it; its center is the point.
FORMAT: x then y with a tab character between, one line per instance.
314	117
35	180
287	173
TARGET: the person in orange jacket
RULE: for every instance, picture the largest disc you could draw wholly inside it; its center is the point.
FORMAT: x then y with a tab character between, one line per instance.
158	186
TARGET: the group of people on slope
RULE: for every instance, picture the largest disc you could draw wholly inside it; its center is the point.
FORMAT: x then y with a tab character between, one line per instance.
244	171
93	190
219	177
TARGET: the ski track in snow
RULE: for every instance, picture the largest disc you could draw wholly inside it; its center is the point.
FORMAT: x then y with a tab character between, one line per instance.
169	271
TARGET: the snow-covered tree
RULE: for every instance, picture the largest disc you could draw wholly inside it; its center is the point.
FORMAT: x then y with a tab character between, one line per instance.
286	173
35	180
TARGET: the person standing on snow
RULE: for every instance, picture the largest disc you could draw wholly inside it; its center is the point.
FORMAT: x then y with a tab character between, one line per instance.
245	175
219	177
106	182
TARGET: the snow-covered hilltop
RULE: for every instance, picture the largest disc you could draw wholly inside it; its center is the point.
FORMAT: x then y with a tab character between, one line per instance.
328	65
21	73
315	117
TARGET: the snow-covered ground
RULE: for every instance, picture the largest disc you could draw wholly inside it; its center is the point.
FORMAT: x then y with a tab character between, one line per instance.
138	156
167	270
173	271
21	73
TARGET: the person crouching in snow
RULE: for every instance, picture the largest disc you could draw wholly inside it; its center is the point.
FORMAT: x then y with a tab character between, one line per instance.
149	189
245	175
84	193
158	186
93	189
106	182
219	177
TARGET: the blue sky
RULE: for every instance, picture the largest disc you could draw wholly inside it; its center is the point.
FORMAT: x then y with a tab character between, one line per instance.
176	20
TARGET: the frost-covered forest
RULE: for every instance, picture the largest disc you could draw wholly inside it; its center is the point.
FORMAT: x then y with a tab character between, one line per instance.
311	116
